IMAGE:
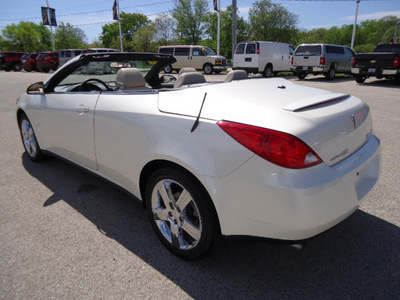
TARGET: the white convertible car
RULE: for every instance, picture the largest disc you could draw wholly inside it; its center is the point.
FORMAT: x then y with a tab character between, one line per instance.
260	157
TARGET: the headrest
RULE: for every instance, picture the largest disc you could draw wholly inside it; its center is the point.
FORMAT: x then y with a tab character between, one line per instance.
236	75
189	78
131	78
186	70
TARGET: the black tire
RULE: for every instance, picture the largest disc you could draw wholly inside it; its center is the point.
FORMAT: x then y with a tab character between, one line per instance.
331	73
17	67
28	69
208	69
360	78
168	69
301	76
29	140
397	79
188	225
46	70
268	71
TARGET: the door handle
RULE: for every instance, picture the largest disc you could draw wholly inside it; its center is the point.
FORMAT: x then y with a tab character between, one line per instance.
81	109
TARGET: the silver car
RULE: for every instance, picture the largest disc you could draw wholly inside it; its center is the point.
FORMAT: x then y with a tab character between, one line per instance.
322	58
207	159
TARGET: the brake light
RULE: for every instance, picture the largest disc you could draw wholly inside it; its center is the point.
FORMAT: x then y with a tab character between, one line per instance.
258	48
292	60
354	61
397	62
322	61
276	147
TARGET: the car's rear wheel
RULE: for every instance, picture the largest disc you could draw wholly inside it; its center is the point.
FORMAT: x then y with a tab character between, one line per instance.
331	73
268	71
17	67
208	69
29	140
301	76
360	78
181	213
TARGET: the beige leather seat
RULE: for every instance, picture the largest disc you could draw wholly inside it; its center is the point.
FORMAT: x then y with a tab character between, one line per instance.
236	75
131	78
186	70
189	78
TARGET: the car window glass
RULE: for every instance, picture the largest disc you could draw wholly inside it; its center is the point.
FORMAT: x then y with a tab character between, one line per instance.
181	51
308	50
251	48
167	51
330	49
339	50
197	52
240	48
67	53
348	52
291	50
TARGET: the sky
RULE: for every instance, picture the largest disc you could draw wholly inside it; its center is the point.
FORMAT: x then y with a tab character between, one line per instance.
91	15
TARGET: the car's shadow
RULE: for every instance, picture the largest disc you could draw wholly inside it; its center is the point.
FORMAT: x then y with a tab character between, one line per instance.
358	259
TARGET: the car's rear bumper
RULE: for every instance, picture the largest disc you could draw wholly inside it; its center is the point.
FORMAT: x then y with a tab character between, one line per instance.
261	199
308	69
374	71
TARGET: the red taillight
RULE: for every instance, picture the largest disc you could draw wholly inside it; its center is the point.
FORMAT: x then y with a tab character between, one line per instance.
292	60
277	147
322	61
354	61
31	60
258	49
396	62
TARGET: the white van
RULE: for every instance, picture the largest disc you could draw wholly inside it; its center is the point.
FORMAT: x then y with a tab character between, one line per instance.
67	54
194	56
266	58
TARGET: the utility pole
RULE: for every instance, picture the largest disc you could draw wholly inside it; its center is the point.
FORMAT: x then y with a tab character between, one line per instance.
219	26
120	31
234	25
353	38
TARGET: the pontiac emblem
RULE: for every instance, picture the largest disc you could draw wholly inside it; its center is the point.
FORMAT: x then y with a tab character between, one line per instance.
373	61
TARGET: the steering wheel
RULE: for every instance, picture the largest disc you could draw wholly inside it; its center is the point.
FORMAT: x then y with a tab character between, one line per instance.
93	86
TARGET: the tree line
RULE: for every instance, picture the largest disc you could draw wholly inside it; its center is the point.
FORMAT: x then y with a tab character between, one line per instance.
191	22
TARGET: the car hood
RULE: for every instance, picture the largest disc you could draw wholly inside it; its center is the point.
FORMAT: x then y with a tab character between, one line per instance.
335	125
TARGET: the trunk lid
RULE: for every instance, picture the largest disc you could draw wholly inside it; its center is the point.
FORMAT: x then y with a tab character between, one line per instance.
334	125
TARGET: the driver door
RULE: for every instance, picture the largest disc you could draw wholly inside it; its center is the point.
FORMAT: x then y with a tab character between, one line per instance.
66	123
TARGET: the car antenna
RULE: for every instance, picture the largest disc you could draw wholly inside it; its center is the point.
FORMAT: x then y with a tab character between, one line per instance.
196	123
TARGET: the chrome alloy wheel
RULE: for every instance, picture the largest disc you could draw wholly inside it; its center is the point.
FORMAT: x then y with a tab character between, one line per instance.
29	138
176	214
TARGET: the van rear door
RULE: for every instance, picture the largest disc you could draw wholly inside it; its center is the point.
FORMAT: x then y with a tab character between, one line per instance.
238	57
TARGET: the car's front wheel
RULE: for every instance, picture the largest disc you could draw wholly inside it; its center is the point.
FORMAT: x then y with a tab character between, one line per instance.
181	213
168	69
268	71
29	140
331	73
208	69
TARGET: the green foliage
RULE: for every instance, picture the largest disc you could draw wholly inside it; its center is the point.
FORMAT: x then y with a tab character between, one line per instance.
190	20
69	37
272	22
26	37
143	39
130	23
226	31
164	27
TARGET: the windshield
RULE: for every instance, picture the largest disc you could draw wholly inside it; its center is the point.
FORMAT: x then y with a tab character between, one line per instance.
106	71
208	51
308	50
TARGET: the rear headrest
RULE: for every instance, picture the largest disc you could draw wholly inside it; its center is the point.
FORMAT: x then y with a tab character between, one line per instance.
186	70
131	78
236	75
189	78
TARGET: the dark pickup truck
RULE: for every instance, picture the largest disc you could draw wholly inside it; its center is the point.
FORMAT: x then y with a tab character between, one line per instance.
384	62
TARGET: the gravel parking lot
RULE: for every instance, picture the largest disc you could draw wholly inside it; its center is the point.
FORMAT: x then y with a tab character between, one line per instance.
66	234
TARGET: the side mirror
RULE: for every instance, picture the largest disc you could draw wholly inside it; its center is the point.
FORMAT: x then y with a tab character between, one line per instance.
167	78
36	88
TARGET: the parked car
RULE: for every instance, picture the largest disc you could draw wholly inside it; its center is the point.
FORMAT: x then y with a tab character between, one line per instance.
198	57
267	58
29	61
205	158
67	54
11	61
322	58
99	50
384	62
47	61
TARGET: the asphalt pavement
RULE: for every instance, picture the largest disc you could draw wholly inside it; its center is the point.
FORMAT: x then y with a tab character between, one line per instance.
66	234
